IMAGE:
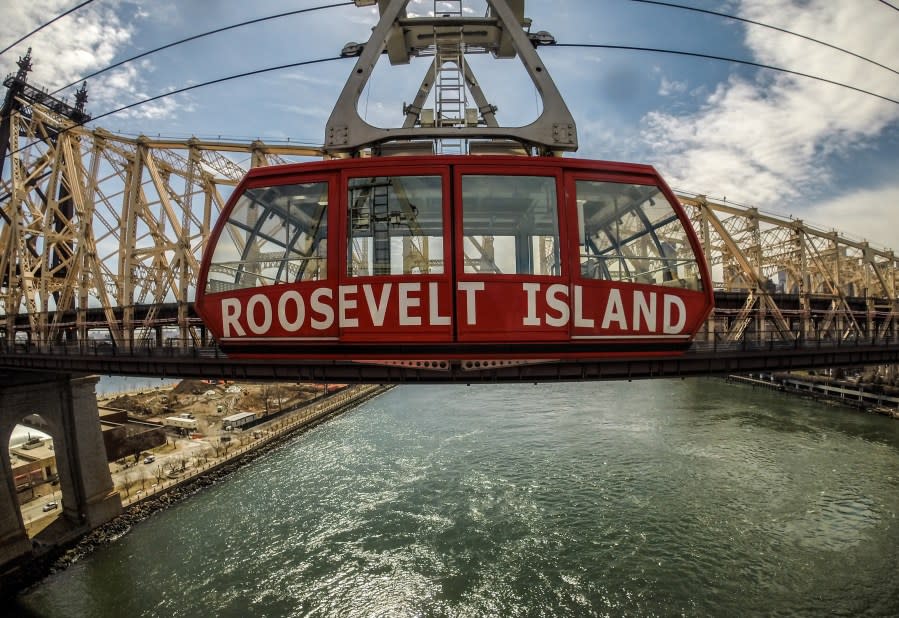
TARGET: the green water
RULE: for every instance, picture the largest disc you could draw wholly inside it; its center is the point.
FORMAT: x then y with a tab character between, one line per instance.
662	498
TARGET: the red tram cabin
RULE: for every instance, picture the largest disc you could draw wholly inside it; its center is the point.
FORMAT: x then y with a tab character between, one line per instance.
443	257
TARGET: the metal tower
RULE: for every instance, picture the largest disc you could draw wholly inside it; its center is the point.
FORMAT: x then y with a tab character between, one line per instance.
450	97
451	126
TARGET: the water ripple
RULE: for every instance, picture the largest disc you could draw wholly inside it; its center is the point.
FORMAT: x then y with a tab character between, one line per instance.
672	498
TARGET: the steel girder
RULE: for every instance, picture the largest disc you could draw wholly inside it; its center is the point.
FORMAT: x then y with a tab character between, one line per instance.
799	280
91	221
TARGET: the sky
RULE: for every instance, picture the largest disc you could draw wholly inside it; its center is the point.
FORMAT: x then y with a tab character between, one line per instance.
782	143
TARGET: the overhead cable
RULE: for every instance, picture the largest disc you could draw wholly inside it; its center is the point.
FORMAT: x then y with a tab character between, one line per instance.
764	25
44	25
186	89
726	59
892	6
215	81
200	36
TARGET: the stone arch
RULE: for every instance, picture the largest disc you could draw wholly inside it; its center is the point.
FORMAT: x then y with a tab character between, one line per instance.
69	404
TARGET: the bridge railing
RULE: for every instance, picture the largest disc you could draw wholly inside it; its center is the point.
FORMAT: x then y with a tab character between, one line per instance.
171	348
110	348
773	343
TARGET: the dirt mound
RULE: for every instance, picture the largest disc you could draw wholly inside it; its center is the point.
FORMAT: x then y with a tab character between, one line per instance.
190	387
131	403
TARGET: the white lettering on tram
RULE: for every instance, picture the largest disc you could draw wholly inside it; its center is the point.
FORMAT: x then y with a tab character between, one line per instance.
614	311
645	309
322	308
377	309
291	295
230	316
555	305
670	301
531	289
471	309
643	317
579	320
259	300
407	302
434	308
345	304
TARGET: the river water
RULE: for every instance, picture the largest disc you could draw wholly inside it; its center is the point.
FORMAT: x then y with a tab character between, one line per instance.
691	497
112	385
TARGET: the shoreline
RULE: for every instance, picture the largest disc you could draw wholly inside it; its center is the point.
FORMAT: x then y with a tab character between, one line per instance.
31	572
831	392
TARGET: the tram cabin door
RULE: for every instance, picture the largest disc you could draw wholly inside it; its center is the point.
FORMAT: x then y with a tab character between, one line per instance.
396	277
512	282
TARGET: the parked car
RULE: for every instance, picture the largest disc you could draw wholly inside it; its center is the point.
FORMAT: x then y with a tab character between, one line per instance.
50	506
150	459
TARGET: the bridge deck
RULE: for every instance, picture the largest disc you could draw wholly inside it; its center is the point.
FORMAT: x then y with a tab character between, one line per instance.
211	363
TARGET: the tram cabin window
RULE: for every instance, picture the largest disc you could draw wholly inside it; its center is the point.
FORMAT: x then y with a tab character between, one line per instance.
630	232
395	226
510	225
274	235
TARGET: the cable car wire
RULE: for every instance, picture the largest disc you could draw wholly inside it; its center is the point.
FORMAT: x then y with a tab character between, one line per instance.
726	59
892	6
200	36
570	45
211	82
44	25
322	60
764	25
215	81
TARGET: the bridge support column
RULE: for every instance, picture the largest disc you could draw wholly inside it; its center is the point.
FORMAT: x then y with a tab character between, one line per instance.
69	405
97	500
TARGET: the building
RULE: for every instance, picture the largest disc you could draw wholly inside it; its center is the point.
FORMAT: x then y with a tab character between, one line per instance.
33	463
236	421
123	436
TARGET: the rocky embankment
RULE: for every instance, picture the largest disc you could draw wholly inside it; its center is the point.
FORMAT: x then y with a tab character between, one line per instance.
49	560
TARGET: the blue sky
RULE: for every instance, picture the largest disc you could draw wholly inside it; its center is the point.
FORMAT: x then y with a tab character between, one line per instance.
784	144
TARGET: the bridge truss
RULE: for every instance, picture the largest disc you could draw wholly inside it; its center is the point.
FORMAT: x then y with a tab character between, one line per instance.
101	236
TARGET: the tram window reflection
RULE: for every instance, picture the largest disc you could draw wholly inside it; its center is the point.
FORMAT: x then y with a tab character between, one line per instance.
274	235
631	233
510	225
395	226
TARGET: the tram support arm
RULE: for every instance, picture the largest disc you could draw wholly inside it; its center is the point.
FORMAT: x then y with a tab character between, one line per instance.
346	133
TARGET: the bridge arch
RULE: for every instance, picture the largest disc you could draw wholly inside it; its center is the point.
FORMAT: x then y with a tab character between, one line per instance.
88	498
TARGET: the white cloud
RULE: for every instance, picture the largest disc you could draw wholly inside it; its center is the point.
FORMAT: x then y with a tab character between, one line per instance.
78	43
668	87
870	214
768	141
124	86
87	40
319	113
306	79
